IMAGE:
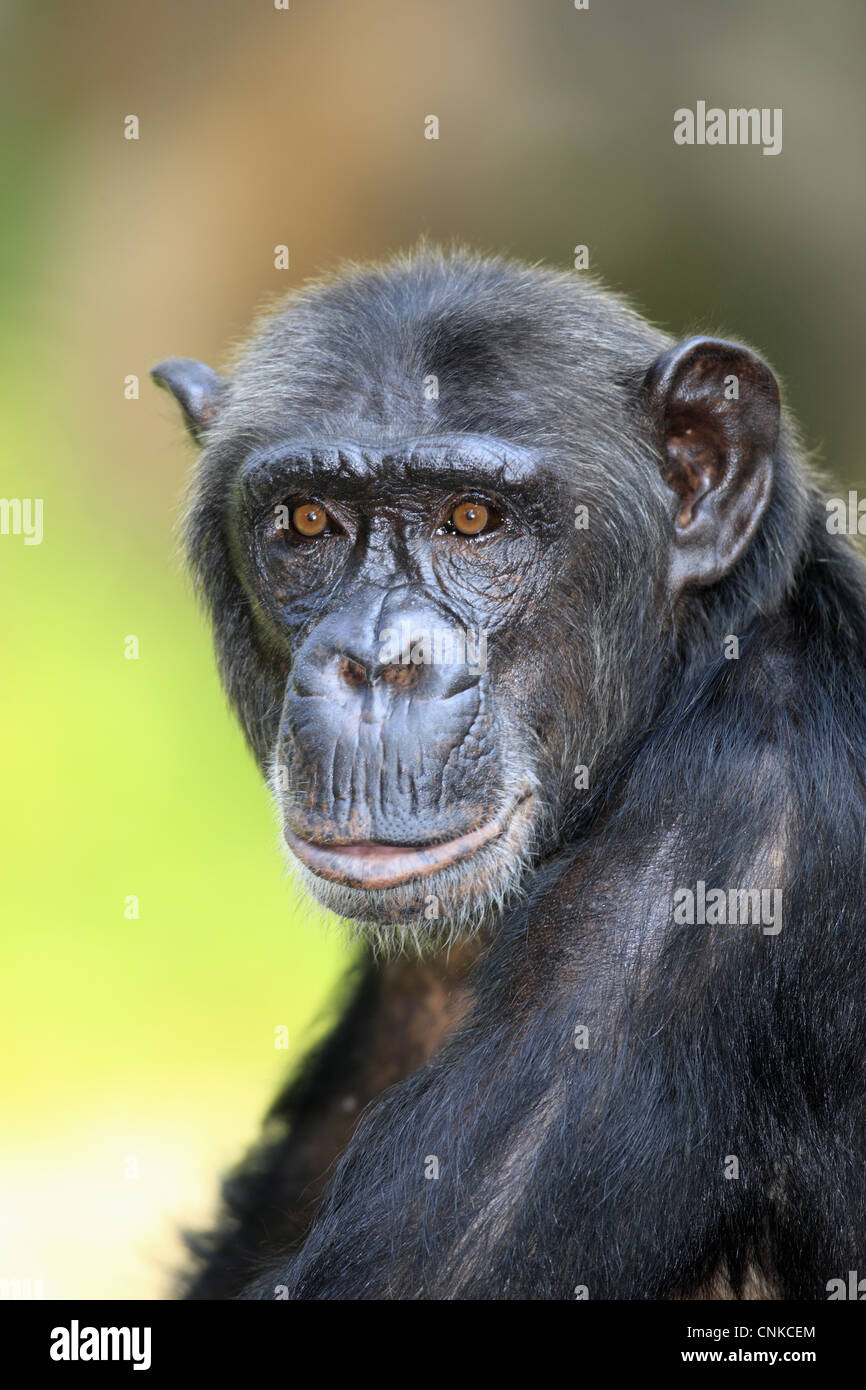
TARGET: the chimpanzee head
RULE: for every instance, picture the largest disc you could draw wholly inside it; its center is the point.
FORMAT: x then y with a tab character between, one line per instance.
459	524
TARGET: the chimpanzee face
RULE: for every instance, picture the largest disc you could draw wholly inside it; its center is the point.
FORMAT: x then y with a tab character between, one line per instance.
402	588
443	614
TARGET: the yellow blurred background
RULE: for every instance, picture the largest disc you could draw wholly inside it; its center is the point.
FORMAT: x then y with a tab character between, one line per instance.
138	1053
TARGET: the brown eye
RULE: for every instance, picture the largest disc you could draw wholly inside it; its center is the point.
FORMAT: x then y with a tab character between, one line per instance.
471	518
309	519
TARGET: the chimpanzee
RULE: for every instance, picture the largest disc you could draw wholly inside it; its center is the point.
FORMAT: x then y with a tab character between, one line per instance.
534	622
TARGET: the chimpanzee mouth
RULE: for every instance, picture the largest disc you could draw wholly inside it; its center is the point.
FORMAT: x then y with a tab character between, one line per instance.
366	864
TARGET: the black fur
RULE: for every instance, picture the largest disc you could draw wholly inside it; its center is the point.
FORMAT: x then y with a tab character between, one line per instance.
599	1168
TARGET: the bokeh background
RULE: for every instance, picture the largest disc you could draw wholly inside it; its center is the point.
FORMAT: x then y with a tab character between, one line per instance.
136	1056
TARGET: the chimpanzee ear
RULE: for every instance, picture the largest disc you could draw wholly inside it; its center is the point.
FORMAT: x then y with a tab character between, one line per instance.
197	388
715	406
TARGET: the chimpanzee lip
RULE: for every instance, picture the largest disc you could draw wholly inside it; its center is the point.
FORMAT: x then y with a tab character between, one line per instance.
366	864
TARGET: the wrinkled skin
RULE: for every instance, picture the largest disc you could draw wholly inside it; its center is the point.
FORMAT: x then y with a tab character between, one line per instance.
406	753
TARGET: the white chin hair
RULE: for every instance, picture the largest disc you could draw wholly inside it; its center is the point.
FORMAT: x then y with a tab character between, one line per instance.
426	913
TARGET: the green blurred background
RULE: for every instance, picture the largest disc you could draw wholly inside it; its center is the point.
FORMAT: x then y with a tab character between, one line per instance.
137	1055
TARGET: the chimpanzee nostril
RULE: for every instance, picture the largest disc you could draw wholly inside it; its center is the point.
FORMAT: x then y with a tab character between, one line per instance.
402	677
352	673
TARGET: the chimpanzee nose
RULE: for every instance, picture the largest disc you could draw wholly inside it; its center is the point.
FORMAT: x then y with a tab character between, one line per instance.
433	667
358	675
412	651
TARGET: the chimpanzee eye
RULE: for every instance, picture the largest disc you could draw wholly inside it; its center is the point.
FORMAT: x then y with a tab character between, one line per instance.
471	518
309	519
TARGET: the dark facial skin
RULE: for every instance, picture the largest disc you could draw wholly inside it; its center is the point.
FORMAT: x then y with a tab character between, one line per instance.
393	771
